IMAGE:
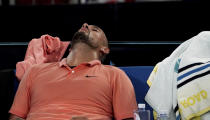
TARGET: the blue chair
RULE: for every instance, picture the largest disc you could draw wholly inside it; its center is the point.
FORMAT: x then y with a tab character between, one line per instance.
139	76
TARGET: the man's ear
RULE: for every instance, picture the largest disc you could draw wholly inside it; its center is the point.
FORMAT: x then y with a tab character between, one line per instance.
105	50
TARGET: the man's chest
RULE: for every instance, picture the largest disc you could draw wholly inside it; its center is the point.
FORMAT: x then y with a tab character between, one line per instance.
69	86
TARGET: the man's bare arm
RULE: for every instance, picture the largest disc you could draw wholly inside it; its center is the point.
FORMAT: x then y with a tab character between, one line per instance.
14	117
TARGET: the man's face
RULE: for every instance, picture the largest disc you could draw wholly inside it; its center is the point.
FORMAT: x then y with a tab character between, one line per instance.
91	35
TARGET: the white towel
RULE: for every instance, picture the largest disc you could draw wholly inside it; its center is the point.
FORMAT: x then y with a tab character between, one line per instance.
162	94
194	79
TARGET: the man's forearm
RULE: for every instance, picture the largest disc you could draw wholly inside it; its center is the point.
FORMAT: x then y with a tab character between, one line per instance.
14	117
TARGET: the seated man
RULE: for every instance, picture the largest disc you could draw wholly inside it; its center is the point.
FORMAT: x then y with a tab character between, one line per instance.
79	85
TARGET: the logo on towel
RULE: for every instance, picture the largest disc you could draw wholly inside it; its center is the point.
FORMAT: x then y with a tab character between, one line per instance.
90	76
192	100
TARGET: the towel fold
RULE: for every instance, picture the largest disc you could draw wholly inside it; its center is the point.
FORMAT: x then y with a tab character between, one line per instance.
42	50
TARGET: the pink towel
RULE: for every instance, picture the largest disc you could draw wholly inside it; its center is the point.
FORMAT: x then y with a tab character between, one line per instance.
43	50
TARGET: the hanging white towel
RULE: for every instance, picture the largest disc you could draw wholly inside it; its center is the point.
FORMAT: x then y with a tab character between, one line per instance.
162	93
187	69
193	92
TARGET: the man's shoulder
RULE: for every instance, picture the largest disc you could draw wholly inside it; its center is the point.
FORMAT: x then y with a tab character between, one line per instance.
116	72
113	68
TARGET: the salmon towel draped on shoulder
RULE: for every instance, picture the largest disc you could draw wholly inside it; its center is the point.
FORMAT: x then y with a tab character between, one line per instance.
42	50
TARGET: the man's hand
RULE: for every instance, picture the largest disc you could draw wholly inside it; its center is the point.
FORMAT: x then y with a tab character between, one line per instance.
14	117
79	118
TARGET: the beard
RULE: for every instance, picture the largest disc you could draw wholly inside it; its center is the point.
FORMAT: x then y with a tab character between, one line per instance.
81	37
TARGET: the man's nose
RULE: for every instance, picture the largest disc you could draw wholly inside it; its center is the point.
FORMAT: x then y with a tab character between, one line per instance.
85	25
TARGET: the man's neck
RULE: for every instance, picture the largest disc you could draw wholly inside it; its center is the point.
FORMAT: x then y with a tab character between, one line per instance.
81	54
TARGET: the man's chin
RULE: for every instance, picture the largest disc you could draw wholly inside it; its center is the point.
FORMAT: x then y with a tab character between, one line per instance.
80	35
83	31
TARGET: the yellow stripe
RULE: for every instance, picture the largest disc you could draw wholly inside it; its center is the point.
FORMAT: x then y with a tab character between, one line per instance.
149	83
192	116
196	118
153	71
155	115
